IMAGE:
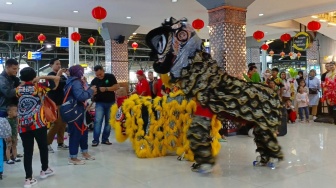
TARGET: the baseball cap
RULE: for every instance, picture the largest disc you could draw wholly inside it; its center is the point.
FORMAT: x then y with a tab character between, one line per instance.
140	72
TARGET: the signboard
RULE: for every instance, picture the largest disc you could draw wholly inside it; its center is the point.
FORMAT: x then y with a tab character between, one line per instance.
62	42
301	41
34	55
1	61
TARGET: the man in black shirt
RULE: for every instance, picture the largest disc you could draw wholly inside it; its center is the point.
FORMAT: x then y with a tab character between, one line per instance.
57	127
106	86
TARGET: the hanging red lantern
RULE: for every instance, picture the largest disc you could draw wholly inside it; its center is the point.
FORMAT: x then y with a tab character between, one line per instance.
198	24
19	38
99	13
271	53
298	55
135	45
41	38
282	54
314	26
91	41
75	36
285	38
264	47
258	35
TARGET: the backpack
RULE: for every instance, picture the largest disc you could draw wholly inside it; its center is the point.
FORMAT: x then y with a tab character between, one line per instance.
70	111
5	128
49	108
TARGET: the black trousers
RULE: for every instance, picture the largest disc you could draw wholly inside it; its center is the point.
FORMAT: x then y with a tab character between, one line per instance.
40	135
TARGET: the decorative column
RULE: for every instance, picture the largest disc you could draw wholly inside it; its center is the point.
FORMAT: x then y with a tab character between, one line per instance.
228	38
73	48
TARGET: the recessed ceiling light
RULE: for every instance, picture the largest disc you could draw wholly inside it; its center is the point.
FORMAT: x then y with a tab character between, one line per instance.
174	1
314	16
261	14
75	11
266	32
128	17
134	33
9	3
323	20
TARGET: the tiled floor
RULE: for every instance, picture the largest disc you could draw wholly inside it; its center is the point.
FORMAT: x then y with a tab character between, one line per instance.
310	155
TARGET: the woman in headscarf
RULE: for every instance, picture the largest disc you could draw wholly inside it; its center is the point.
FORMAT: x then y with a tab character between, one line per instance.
78	132
314	86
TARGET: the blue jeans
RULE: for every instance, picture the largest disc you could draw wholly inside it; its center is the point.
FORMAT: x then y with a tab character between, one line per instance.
77	138
102	110
306	110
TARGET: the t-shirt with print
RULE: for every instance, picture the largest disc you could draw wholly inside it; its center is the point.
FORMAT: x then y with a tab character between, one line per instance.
30	115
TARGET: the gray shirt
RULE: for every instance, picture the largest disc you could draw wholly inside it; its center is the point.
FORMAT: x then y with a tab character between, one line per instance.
7	90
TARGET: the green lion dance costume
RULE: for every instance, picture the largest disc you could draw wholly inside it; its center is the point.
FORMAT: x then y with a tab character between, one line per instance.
187	121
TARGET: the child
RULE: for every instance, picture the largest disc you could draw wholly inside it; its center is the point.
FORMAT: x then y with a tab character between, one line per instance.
11	142
303	103
32	123
273	86
290	111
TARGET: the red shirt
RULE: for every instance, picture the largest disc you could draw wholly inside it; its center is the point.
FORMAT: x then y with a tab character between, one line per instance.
142	86
158	88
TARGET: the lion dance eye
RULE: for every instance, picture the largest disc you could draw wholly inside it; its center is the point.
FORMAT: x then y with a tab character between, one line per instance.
161	44
182	35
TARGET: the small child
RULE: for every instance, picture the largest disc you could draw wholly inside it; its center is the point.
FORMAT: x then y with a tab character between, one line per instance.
11	142
273	86
290	111
303	103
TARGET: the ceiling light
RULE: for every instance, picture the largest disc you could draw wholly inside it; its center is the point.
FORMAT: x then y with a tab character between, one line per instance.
314	16
9	3
174	1
134	33
128	17
323	20
266	32
333	24
261	14
75	11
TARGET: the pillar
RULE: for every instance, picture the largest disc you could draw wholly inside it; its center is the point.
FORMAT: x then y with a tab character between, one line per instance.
73	48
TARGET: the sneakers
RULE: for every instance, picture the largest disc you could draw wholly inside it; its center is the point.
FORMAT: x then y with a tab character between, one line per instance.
50	150
17	160
10	162
76	162
47	173
314	117
29	182
63	147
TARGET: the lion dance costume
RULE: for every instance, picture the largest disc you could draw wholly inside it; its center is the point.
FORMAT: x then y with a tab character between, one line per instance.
187	121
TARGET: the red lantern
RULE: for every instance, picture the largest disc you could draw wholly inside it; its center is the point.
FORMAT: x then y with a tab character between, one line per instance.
135	45
314	26
298	55
198	24
41	38
264	47
19	38
258	35
99	13
271	53
91	40
282	54
75	37
285	38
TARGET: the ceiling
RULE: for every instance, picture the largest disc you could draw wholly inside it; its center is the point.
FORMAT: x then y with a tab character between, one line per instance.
150	13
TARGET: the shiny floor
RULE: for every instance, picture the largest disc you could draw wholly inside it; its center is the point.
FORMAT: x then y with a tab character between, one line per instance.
310	155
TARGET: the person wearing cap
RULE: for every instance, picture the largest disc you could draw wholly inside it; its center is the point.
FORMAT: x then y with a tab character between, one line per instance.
142	88
57	95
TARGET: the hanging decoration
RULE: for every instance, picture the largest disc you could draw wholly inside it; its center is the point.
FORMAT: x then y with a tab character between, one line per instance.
198	24
298	55
41	38
134	45
314	26
264	47
285	38
282	54
271	53
75	36
91	41
99	13
258	35
19	38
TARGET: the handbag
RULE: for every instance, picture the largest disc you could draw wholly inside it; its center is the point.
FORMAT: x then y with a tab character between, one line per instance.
312	91
49	109
70	110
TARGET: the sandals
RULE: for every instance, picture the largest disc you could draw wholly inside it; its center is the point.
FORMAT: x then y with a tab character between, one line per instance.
107	143
88	158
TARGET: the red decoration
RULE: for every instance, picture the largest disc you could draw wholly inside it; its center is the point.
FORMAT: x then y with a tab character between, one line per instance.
298	55
264	47
75	37
285	38
19	38
329	91
198	24
314	26
271	53
258	35
282	54
99	13
135	45
91	40
41	38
